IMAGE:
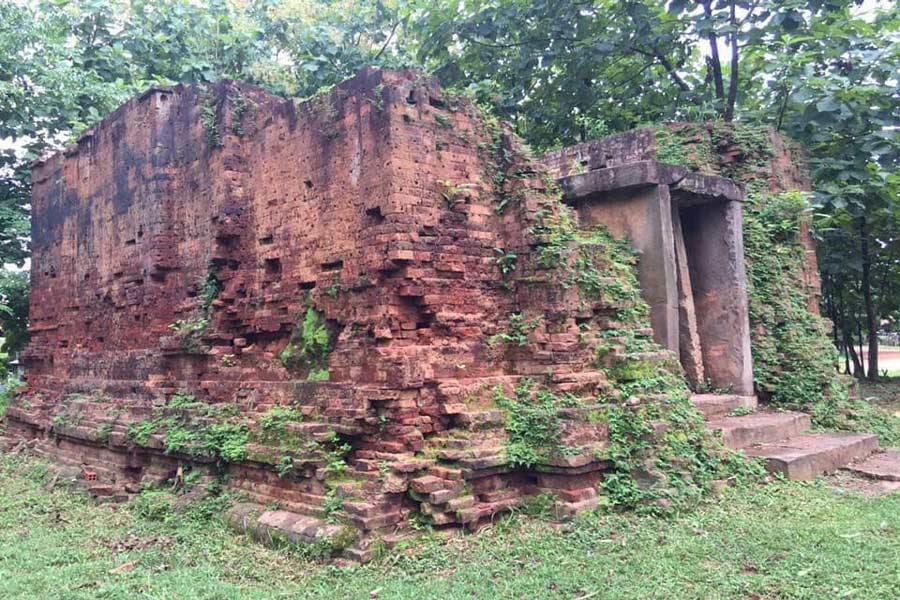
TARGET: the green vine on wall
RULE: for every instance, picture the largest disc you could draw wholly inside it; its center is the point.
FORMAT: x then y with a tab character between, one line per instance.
307	351
532	423
238	110
209	117
661	454
794	361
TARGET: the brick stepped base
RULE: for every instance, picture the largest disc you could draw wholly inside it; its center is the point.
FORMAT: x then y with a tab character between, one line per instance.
779	438
274	526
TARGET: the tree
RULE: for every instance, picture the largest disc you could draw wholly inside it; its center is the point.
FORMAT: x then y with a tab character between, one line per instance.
13	312
837	93
562	70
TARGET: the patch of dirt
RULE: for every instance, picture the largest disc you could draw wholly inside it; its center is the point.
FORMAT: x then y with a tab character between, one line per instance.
843	481
885	393
132	542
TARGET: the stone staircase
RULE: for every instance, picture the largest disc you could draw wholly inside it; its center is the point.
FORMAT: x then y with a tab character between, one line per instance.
782	440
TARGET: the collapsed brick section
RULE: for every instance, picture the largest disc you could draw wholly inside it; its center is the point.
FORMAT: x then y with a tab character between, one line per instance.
323	301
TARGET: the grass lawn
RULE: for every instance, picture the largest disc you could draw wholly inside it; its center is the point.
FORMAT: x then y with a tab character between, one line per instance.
776	541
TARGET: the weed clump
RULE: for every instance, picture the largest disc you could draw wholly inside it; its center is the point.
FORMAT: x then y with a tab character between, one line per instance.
307	351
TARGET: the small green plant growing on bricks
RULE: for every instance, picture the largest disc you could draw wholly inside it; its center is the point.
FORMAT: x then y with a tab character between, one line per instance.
532	423
209	118
140	432
227	441
517	331
191	331
505	261
277	418
454	194
443	121
193	428
238	110
210	287
307	351
285	466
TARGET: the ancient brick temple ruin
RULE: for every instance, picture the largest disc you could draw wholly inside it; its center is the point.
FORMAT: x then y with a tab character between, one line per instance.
346	305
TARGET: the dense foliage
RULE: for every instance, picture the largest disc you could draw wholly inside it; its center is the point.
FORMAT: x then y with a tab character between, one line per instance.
793	359
837	92
824	71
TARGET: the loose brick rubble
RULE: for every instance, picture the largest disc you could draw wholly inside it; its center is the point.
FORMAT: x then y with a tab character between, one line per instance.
182	245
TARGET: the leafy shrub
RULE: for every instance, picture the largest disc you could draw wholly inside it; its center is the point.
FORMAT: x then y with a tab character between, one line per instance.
228	441
309	346
517	331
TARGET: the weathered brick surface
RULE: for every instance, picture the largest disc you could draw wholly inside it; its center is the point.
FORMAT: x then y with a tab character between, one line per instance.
377	205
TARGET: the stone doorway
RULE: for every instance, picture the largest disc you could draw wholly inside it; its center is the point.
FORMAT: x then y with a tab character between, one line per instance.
687	228
713	323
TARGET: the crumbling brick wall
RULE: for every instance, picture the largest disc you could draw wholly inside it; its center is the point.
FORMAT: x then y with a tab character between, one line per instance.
320	299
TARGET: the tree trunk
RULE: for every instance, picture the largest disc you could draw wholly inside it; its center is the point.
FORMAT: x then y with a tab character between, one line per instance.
862	352
841	322
848	343
871	318
715	62
733	80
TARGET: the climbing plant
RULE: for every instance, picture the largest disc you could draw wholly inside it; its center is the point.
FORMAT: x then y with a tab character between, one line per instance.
532	423
307	351
794	361
661	455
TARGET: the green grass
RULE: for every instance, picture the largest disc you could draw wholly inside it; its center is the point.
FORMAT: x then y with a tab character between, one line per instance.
779	541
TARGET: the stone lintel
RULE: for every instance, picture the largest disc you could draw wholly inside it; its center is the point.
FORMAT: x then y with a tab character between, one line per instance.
693	188
696	188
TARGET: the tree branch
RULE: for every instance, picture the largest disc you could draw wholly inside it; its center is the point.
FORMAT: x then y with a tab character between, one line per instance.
667	65
388	40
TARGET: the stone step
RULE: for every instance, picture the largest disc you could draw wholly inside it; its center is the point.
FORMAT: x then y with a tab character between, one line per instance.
881	465
804	457
714	406
760	428
278	526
